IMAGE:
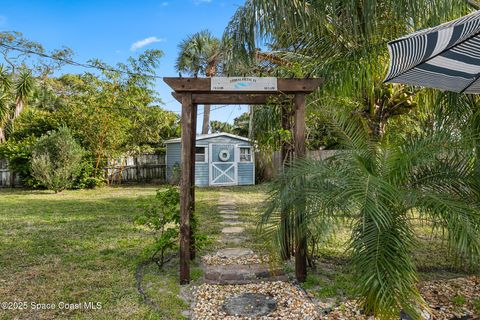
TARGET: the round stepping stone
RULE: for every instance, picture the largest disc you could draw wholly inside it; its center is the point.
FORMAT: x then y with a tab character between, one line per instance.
229	230
229	216
230	223
250	305
231	253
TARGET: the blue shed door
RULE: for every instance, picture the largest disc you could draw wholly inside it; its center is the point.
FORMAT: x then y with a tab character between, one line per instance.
223	167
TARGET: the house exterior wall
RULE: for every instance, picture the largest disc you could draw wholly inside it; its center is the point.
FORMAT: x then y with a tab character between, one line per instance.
245	170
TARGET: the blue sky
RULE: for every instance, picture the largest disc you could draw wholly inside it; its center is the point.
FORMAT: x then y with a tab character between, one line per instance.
114	30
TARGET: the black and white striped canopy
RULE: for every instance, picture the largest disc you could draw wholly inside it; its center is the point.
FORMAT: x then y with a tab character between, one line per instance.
445	57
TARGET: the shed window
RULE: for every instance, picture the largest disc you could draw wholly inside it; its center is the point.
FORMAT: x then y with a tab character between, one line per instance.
245	155
200	154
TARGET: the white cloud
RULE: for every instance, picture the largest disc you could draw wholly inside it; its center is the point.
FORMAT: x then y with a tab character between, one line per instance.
164	4
145	42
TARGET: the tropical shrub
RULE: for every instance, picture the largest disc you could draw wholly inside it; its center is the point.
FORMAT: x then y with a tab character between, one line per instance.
382	189
56	160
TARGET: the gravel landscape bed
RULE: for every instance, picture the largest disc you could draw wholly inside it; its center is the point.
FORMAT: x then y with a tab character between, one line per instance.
292	302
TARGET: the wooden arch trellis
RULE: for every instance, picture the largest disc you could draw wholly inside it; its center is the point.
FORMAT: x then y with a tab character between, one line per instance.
191	92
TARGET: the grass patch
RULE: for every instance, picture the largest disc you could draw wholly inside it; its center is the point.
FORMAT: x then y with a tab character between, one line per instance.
83	245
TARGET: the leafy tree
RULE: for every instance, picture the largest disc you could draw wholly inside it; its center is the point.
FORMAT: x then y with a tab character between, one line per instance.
111	113
56	160
382	188
219	126
200	54
17	52
241	124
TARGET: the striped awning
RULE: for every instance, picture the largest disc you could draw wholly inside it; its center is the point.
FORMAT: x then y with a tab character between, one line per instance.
445	57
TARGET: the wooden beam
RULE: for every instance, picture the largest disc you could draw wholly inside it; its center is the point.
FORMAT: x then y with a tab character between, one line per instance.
300	150
203	85
193	141
185	188
231	98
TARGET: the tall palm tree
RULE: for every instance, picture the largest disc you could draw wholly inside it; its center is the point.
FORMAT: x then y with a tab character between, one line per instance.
200	54
14	92
382	189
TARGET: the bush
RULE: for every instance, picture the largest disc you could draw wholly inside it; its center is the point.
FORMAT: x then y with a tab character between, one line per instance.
86	179
56	160
18	155
162	216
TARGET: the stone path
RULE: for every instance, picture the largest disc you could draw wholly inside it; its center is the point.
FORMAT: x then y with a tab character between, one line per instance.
234	264
240	284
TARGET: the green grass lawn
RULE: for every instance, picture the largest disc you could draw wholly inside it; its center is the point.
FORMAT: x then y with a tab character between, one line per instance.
82	246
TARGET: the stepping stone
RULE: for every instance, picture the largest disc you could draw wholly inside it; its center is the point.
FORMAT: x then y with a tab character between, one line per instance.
242	273
227	203
220	208
229	216
230	230
228	211
230	253
231	240
231	223
250	305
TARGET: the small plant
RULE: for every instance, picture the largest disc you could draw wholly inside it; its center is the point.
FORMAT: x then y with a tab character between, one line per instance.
162	216
476	305
56	160
459	300
176	174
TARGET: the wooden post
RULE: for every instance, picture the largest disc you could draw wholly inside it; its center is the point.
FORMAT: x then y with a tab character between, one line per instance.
286	251
300	151
193	139
185	188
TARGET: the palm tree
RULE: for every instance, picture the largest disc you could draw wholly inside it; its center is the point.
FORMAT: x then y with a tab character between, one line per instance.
382	189
200	54
14	92
341	40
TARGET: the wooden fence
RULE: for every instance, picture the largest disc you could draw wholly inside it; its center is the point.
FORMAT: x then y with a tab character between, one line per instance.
149	168
272	165
139	169
8	179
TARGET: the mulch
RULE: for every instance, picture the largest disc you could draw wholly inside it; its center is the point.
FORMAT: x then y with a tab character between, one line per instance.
453	299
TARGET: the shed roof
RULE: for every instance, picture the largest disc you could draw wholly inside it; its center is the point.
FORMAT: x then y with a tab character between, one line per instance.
211	135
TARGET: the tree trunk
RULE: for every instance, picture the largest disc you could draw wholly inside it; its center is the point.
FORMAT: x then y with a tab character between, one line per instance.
210	71
250	123
206	119
2	135
18	108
